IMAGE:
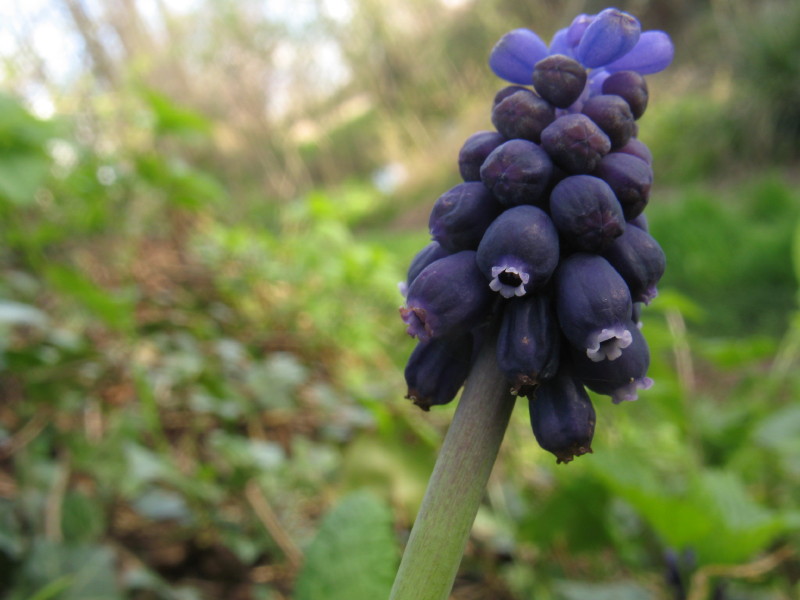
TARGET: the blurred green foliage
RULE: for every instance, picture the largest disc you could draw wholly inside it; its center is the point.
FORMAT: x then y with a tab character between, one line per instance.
201	381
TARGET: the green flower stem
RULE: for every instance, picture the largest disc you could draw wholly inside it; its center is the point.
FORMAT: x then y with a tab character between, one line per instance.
436	545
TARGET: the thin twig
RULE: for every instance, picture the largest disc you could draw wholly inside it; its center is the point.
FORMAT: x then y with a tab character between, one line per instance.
25	435
700	584
272	524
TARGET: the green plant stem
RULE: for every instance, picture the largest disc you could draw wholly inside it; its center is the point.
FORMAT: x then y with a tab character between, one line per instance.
436	545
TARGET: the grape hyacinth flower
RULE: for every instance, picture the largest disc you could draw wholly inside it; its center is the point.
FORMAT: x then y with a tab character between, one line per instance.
540	266
550	213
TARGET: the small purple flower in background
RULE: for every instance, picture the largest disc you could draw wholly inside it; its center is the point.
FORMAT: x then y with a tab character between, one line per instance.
545	248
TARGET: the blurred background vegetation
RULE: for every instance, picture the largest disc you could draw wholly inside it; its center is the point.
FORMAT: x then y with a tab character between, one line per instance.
205	207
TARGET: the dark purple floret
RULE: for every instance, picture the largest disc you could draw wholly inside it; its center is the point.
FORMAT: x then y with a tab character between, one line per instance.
613	115
448	296
522	115
640	260
437	369
631	179
474	151
433	251
519	251
461	215
517	172
528	343
636	314
559	79
622	378
638	149
632	87
610	36
506	92
593	306
640	221
586	212
562	417
575	143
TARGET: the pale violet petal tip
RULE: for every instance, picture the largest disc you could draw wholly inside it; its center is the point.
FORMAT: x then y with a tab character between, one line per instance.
630	391
652	53
515	55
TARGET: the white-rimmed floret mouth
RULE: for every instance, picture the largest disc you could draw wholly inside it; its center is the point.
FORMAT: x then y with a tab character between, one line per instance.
509	281
608	343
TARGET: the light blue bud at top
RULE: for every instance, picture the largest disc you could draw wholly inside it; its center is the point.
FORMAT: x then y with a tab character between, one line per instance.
560	45
515	55
596	80
652	53
577	28
610	36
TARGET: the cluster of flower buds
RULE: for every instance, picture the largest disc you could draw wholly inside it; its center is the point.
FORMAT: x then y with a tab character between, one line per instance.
546	235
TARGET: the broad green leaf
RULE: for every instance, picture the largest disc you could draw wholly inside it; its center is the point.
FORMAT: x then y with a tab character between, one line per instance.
173	118
354	554
709	512
82	572
21	175
115	309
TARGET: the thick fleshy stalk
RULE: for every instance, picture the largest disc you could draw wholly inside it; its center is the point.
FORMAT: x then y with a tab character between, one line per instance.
436	545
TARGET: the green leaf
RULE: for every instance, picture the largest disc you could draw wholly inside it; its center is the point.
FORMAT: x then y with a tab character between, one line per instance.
173	118
70	572
710	512
354	554
21	174
16	313
115	309
623	590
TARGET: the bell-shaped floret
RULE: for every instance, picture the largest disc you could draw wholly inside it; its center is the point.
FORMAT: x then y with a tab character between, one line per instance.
632	87
652	53
562	417
519	251
612	114
638	149
433	251
517	172
514	56
437	369
461	215
640	261
448	296
610	36
474	152
631	179
528	342
640	221
575	143
593	306
622	378
559	80
586	212
522	115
